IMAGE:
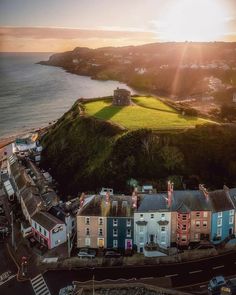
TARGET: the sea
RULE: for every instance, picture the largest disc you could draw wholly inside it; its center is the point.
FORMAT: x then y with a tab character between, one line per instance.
33	95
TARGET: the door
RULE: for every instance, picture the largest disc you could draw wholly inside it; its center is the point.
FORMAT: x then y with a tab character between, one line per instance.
101	243
151	237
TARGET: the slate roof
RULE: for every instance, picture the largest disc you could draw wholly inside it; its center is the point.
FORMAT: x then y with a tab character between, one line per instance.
189	200
32	200
119	206
220	201
232	193
153	202
46	220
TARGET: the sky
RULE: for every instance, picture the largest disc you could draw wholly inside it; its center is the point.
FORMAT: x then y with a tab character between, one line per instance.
59	25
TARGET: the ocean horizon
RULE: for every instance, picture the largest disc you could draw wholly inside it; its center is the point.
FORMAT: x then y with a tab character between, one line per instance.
32	95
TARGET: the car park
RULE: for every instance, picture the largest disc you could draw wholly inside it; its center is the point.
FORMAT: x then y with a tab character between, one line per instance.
86	253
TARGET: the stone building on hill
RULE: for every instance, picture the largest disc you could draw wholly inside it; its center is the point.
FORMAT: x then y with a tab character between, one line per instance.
121	97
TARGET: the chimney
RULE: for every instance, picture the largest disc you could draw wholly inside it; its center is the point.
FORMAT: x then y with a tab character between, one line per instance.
204	190
170	189
134	199
107	198
81	200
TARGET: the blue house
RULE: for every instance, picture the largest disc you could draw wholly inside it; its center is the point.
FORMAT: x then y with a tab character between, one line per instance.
223	214
120	223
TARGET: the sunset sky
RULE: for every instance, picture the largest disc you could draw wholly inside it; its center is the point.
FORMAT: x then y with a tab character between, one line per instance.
58	25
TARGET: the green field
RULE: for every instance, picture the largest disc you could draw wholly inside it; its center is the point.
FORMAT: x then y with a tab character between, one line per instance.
148	112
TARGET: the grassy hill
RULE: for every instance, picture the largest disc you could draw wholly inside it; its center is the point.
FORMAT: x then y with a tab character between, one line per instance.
147	112
84	153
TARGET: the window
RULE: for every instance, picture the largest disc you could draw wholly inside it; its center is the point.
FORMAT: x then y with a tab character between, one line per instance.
141	229
40	229
141	215
231	212
128	232
115	222
152	216
184	238
87	241
184	226
184	217
219	222
163	238
219	232
115	232
128	222
204	223
231	219
73	223
141	239
205	214
163	228
35	225
197	223
219	214
100	222
162	216
100	232
196	236
87	231
115	243
45	233
87	220
198	214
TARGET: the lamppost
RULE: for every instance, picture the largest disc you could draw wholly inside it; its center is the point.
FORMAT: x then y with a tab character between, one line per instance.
12	231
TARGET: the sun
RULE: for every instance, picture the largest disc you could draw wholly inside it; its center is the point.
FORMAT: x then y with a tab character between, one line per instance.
194	20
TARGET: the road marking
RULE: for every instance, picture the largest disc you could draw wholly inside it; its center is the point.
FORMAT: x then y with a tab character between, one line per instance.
11	277
195	271
216	267
202	286
39	285
174	275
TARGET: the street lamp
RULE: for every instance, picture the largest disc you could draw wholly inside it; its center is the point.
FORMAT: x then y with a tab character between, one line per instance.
12	231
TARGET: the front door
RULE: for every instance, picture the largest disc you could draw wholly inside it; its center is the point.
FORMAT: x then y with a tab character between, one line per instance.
151	238
101	243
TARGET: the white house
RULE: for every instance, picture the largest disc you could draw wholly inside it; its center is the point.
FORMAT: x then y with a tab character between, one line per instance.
48	230
152	222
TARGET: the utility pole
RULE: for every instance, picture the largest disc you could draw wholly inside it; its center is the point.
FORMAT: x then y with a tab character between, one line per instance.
68	244
12	231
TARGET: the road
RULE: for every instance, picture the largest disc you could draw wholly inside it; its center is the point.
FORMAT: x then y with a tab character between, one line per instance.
184	274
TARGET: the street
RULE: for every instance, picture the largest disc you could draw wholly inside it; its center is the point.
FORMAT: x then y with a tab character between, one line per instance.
184	274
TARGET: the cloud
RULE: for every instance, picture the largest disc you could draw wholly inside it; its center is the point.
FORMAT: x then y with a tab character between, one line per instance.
59	39
67	33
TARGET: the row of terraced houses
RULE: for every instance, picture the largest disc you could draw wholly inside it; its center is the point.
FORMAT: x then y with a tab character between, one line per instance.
157	221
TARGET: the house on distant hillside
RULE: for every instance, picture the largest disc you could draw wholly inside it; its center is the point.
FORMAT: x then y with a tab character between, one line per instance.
121	97
234	97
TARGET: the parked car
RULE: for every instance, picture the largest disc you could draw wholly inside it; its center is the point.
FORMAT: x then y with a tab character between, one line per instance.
112	254
215	284
87	253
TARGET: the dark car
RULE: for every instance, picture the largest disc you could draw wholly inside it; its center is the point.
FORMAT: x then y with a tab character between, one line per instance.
215	285
112	254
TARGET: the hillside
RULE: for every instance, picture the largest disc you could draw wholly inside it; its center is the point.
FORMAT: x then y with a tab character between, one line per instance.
85	153
170	69
147	112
